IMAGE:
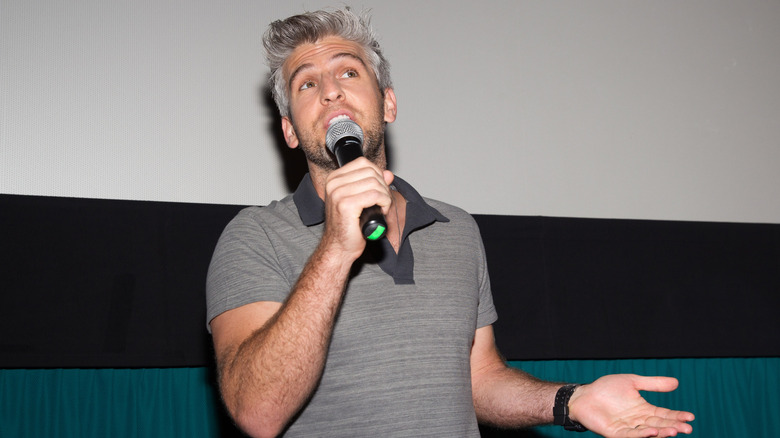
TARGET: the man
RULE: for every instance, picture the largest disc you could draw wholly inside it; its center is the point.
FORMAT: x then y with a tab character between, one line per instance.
319	333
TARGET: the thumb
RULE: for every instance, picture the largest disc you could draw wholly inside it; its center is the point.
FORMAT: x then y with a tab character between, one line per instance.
655	383
388	176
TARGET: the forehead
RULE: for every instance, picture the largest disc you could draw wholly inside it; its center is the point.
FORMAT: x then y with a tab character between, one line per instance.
321	51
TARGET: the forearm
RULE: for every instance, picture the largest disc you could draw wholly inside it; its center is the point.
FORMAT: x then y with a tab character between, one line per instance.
507	397
269	376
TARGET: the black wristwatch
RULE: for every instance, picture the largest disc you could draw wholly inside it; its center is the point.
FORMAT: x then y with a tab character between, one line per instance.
561	409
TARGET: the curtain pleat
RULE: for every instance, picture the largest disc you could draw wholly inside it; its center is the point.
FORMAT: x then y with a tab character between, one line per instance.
731	397
134	403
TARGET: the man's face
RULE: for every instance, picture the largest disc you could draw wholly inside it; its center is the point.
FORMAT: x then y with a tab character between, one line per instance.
328	79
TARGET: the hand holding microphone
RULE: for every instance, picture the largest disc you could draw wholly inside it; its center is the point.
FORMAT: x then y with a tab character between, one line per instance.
345	139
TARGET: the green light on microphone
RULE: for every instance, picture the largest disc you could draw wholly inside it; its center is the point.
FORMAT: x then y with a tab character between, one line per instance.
377	234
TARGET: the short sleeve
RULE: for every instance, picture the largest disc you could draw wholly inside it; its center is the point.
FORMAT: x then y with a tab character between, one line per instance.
244	268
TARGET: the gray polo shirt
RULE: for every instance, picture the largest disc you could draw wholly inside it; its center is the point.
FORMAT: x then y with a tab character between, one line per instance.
398	364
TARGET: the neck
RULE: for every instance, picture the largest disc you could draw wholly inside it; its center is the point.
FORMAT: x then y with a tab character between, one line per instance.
318	178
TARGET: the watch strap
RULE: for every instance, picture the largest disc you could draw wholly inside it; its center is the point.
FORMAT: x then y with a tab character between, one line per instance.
561	409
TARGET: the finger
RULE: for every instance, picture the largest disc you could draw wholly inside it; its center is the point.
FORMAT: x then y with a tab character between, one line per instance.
655	383
359	195
363	173
640	431
683	416
647	431
672	420
358	189
360	162
644	432
389	177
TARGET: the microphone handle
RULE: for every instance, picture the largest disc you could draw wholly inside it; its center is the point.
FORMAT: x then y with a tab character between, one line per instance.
372	221
347	149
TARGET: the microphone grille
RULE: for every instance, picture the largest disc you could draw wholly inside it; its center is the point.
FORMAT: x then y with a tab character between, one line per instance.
341	129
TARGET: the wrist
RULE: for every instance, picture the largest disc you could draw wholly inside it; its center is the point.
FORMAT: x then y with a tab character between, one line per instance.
340	250
561	409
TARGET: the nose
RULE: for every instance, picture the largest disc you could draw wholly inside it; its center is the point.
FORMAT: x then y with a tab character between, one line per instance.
331	91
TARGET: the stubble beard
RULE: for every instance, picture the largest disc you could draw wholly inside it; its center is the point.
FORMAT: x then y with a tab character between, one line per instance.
317	153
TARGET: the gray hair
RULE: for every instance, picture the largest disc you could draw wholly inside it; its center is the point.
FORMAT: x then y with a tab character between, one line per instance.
283	36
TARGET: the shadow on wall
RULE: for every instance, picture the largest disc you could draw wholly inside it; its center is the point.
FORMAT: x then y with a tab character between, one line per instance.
291	160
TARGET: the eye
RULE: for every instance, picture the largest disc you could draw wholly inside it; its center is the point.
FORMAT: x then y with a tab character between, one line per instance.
307	85
350	74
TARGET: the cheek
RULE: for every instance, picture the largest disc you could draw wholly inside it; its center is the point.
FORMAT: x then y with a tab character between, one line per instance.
303	112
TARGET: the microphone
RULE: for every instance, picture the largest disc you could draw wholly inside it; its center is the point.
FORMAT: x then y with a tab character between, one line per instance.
345	140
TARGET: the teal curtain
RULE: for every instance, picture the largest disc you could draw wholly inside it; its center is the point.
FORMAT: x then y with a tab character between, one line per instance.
737	397
85	403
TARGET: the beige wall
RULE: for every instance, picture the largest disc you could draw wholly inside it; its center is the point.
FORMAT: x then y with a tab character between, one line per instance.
625	109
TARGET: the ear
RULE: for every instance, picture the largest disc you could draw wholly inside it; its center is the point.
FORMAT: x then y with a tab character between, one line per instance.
390	105
289	133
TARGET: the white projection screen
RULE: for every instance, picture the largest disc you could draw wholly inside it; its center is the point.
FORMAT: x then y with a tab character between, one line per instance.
601	108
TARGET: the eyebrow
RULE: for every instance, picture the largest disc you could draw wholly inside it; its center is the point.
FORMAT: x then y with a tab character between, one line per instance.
306	66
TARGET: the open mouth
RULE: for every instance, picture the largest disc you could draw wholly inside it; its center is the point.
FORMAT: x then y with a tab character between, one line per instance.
337	119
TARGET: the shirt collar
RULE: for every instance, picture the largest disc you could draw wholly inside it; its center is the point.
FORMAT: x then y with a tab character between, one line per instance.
311	208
